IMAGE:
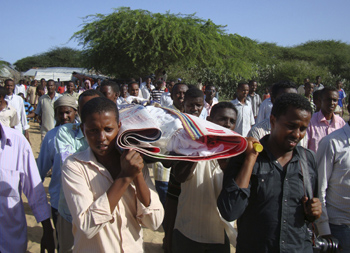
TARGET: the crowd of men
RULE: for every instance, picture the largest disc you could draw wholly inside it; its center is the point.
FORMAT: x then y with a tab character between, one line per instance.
100	195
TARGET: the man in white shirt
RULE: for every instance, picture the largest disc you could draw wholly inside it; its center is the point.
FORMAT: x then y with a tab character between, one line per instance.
245	117
146	88
333	159
201	185
17	102
21	88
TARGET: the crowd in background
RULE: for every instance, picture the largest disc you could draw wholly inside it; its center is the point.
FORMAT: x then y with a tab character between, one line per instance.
99	196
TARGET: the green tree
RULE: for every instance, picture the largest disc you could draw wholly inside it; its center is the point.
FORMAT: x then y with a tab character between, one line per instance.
56	57
137	42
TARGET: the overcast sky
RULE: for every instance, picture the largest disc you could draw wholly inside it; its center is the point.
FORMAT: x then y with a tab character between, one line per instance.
33	27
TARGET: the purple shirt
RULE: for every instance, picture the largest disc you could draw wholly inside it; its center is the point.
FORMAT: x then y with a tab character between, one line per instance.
18	172
319	128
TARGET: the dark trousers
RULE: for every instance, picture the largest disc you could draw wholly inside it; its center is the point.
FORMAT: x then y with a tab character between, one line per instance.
182	244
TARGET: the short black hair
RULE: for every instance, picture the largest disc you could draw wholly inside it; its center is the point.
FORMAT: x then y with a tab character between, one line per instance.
210	85
131	83
283	102
113	85
193	92
241	84
328	89
222	105
3	92
8	80
39	87
252	82
90	93
99	105
282	85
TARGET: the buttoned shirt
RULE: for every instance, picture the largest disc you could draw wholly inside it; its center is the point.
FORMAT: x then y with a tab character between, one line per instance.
17	102
245	117
95	228
264	110
49	158
319	128
270	212
18	172
197	216
333	159
255	101
9	116
45	109
69	140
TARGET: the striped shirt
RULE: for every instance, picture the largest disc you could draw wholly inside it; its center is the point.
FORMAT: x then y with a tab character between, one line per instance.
156	94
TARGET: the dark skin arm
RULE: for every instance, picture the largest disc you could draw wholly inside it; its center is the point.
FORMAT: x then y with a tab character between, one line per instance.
183	169
312	208
47	240
131	170
243	177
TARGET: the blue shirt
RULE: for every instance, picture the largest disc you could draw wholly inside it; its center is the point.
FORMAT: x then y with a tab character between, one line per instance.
69	140
49	158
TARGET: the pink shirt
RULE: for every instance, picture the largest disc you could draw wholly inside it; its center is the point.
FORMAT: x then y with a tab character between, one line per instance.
319	128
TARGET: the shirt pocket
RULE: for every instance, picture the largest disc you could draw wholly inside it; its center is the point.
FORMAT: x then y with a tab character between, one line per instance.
9	183
265	186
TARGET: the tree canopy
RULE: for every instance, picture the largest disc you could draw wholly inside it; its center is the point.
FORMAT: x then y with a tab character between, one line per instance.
138	42
56	57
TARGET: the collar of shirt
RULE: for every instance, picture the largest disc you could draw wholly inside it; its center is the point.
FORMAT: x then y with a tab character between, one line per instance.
88	157
321	118
236	101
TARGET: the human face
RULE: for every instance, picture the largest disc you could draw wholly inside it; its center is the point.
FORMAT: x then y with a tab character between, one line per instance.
194	106
329	102
252	87
226	118
82	101
309	89
43	82
109	93
10	86
134	90
70	87
210	92
124	91
51	87
65	114
170	86
101	130
289	129
178	96
242	91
